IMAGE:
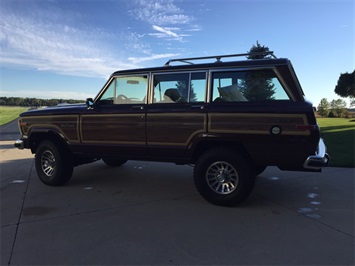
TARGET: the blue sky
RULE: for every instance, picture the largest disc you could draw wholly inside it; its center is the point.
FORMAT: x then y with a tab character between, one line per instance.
68	48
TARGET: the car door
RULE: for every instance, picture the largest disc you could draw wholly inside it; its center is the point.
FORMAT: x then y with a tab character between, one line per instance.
177	112
116	124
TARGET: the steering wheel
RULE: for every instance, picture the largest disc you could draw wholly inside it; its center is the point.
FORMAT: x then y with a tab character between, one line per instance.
121	98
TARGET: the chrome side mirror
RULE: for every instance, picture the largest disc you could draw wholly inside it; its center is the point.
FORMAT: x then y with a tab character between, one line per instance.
90	103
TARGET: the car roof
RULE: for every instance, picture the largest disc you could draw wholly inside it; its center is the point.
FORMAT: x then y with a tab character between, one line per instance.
218	64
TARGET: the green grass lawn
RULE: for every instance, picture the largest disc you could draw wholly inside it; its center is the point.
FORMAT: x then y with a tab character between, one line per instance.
339	137
9	113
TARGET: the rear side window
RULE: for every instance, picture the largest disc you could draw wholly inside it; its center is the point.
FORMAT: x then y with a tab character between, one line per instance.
247	86
179	87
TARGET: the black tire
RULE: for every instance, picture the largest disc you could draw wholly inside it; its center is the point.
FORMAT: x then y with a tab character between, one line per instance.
53	164
224	177
113	162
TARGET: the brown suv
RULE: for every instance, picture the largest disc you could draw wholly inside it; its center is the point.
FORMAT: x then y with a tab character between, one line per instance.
230	119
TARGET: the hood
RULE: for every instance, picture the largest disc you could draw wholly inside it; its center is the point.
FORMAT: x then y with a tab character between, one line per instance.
53	110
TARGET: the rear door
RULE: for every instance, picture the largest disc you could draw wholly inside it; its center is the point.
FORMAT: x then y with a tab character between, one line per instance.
177	112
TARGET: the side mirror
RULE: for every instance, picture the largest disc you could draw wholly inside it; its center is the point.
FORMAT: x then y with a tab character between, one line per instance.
90	103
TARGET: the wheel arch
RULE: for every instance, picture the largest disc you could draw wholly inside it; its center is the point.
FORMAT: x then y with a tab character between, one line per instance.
206	145
37	136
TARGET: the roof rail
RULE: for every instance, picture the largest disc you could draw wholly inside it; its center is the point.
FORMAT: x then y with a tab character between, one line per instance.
217	57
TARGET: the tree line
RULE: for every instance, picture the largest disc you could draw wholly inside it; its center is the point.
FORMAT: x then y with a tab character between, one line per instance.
335	108
34	102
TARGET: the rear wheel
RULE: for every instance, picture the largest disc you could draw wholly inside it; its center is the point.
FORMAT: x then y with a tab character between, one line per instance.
224	177
53	164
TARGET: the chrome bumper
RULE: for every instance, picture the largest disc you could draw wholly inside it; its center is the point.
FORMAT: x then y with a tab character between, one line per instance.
20	144
319	160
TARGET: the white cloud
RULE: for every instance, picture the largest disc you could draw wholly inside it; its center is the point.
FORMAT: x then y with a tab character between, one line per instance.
56	47
58	40
152	57
162	15
160	12
166	32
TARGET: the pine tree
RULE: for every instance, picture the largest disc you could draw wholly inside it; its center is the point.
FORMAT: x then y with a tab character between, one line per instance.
183	90
258	85
260	49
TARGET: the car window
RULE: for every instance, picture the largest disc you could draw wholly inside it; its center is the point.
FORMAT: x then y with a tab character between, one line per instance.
247	86
179	87
198	87
125	90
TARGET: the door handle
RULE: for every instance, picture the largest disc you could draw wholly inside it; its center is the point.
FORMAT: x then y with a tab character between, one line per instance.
198	107
138	107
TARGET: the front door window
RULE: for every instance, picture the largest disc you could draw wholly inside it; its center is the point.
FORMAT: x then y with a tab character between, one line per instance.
125	90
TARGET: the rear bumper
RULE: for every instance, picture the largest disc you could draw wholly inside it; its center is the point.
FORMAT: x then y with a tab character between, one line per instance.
319	160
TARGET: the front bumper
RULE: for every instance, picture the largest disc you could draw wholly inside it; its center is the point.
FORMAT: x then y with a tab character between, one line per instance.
20	144
320	159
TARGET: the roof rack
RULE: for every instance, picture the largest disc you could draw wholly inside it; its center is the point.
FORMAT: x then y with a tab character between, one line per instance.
217	57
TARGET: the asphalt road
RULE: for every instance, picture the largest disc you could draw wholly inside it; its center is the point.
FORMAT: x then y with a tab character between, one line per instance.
150	213
9	131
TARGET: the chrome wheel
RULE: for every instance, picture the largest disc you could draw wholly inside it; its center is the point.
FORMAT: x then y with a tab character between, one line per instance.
54	163
222	177
48	163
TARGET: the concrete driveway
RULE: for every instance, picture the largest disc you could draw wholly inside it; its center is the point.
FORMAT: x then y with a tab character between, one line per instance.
150	213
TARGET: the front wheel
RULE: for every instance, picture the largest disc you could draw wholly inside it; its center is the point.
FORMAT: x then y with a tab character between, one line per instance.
53	164
224	177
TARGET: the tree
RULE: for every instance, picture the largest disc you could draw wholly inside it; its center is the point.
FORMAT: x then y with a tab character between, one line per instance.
346	85
323	107
258	85
183	90
352	101
260	49
338	107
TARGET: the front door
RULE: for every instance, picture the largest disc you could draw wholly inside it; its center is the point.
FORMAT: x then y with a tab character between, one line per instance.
116	125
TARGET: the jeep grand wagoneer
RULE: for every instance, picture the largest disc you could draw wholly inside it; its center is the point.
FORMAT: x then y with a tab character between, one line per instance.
229	119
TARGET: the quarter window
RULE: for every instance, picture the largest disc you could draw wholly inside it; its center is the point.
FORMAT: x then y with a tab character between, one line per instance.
246	86
198	87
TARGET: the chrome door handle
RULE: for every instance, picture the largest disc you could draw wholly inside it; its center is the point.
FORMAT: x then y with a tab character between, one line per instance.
198	107
138	107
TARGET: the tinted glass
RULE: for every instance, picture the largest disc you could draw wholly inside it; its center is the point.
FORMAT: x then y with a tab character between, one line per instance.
246	86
